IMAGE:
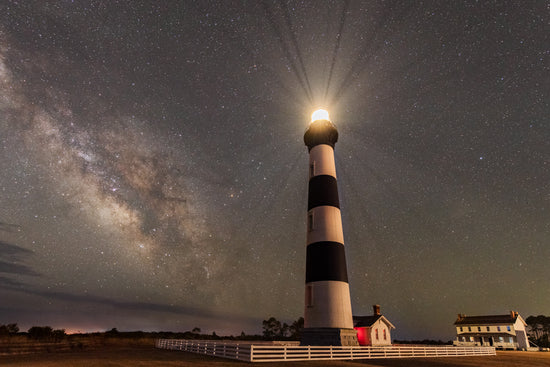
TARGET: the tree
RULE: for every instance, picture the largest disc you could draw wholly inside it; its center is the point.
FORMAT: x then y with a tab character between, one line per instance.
12	328
272	328
535	326
295	329
196	330
112	332
9	329
58	335
40	332
285	330
539	330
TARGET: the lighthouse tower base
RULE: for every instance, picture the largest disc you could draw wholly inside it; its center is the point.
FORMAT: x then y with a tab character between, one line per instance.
329	336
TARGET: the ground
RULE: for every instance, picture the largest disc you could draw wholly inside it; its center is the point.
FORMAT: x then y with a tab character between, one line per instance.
142	355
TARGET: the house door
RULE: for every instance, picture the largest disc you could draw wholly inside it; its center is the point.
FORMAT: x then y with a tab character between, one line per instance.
481	340
491	341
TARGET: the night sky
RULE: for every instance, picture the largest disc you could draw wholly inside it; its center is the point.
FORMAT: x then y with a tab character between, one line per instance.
154	175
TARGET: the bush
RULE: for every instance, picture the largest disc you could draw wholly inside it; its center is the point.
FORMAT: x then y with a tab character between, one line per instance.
46	333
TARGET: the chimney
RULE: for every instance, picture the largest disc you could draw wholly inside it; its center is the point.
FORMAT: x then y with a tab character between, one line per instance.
514	314
376	310
459	317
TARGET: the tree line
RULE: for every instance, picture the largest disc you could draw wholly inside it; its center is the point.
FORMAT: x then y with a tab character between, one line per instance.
40	333
272	329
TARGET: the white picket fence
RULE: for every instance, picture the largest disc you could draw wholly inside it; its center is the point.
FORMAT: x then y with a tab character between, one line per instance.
272	353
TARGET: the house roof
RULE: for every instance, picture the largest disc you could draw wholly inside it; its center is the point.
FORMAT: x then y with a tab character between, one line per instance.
367	321
362	321
489	319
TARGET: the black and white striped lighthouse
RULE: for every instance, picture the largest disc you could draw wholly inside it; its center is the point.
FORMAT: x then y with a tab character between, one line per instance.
327	318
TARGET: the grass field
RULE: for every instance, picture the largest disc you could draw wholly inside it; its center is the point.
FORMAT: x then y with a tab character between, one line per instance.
144	354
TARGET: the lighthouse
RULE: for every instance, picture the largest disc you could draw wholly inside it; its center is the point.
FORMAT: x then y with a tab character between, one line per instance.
327	317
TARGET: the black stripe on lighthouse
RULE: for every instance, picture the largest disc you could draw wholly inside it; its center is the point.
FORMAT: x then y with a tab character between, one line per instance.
326	261
323	190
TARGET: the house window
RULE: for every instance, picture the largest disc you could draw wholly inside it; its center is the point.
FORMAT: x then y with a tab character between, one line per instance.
309	296
479	328
498	328
488	328
385	334
376	333
511	340
471	338
312	169
461	329
310	221
501	339
469	328
508	328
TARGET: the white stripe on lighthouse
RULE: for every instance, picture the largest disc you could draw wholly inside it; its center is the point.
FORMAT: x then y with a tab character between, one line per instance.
325	224
322	158
330	306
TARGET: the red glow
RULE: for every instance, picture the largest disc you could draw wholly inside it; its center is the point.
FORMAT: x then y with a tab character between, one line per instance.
362	335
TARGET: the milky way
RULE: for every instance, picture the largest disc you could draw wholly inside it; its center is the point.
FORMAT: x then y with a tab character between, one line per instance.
155	176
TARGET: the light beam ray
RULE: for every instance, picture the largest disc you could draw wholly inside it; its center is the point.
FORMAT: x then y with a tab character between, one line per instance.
286	50
336	46
297	49
364	56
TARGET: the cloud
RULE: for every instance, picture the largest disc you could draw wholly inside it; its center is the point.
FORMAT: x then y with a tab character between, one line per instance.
10	258
9	283
8	227
11	268
11	249
139	307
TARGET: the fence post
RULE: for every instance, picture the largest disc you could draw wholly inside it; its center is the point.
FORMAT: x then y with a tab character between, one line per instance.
251	353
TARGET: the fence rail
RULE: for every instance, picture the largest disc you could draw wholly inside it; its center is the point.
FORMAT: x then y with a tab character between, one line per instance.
271	353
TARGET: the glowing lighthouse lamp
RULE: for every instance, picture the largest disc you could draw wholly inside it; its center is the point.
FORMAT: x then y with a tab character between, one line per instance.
319	115
327	317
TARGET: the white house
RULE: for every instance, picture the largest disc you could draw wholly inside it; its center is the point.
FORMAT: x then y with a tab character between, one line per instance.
499	331
373	330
